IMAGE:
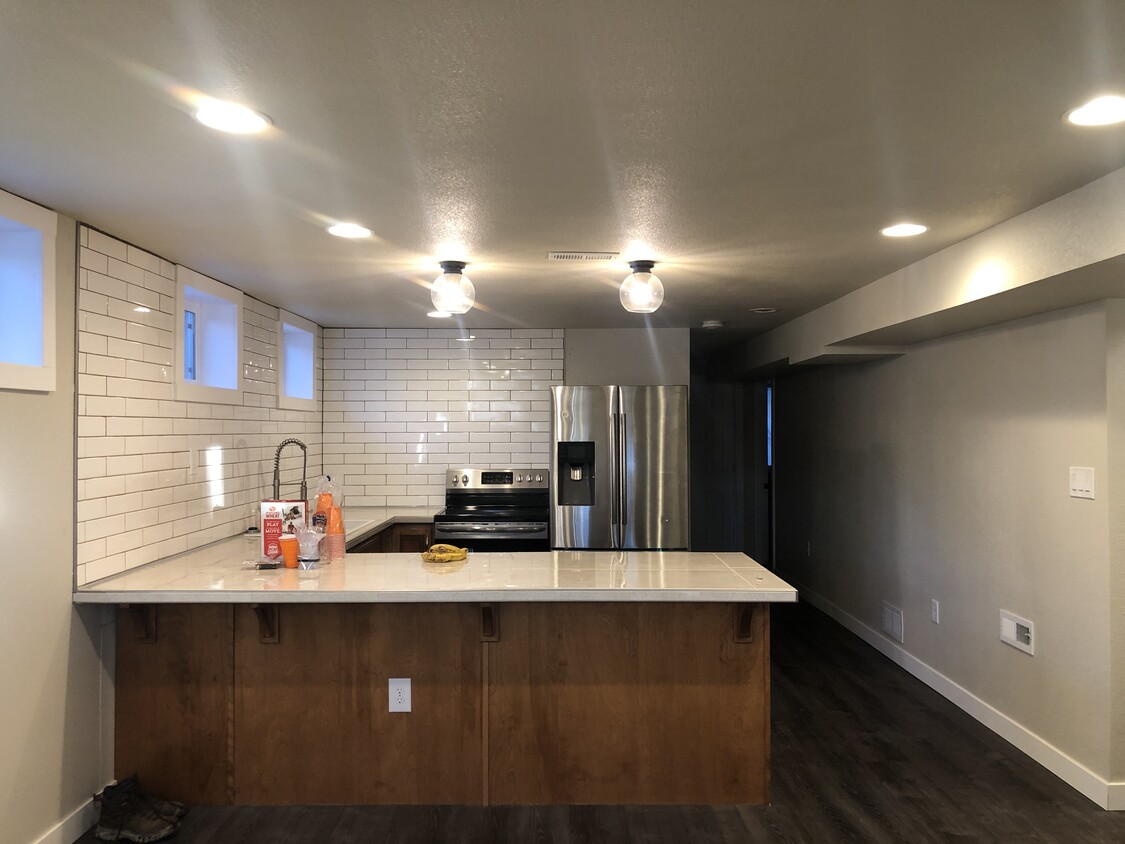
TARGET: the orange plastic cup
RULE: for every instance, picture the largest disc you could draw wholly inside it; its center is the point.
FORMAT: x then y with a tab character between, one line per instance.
288	543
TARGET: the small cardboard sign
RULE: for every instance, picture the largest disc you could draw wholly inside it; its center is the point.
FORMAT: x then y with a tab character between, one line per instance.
280	517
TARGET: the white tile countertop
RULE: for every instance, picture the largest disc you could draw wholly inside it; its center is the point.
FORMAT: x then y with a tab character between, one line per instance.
220	573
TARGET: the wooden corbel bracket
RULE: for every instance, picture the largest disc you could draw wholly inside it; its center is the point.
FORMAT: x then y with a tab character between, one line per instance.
269	623
144	621
489	623
743	623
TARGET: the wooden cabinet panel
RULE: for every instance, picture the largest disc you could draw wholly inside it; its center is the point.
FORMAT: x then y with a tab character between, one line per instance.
404	538
174	701
413	538
376	543
627	703
313	725
572	703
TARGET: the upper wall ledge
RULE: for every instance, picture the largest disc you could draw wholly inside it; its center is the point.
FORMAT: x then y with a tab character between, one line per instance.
1066	252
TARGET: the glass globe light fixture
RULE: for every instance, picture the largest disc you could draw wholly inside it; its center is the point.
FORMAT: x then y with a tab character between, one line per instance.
641	292
452	291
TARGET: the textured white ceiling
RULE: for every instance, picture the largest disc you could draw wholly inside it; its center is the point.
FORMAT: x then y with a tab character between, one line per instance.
755	147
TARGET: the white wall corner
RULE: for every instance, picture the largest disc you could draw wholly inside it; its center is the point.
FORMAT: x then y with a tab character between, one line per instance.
1108	795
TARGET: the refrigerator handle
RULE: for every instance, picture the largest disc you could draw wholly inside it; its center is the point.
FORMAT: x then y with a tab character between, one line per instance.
615	481
622	450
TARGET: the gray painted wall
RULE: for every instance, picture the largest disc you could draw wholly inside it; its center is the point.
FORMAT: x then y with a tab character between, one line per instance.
50	720
944	474
628	356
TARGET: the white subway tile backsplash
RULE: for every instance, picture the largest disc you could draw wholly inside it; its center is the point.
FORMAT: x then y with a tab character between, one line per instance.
122	542
147	334
397	407
91	426
108	326
106	245
97	569
162	284
107	286
125	272
91	260
442	403
89	551
141	495
140	258
157	354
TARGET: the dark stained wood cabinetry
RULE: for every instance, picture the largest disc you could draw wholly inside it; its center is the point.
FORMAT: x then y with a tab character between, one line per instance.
402	538
311	711
519	703
413	538
651	703
174	700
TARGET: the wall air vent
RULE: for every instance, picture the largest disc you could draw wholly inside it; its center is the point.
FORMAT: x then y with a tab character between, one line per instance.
892	621
582	256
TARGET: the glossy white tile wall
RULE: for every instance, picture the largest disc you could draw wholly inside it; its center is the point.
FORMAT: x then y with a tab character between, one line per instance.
402	405
157	476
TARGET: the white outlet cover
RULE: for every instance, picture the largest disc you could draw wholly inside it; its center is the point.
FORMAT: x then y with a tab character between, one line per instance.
398	694
1081	482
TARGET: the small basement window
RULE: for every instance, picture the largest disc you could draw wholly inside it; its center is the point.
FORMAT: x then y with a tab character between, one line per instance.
208	339
27	285
297	362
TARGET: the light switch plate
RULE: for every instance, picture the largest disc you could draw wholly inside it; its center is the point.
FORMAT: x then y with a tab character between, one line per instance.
1081	482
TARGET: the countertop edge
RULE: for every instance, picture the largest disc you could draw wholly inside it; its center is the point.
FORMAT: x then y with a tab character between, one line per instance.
765	596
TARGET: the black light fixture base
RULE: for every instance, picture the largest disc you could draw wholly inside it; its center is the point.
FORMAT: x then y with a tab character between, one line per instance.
642	266
456	267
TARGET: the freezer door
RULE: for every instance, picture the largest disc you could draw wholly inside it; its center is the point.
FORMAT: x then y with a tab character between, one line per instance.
583	415
653	430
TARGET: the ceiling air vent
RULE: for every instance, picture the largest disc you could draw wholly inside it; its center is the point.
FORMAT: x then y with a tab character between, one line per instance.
582	256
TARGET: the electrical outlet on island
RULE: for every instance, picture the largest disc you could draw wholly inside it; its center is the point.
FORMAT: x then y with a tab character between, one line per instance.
398	693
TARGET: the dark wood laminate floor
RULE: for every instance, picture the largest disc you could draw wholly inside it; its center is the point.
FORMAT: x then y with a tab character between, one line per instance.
862	752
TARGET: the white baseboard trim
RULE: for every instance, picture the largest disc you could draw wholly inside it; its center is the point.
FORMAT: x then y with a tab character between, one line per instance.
1108	795
72	827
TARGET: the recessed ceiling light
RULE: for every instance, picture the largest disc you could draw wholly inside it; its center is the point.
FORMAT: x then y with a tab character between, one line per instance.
904	230
231	117
142	310
1100	111
351	230
763	310
712	323
465	339
439	314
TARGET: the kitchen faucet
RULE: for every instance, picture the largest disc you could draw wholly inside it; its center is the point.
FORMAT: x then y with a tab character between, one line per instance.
277	469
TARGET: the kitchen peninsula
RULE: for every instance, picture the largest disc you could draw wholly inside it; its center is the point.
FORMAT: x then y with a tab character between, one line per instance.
539	677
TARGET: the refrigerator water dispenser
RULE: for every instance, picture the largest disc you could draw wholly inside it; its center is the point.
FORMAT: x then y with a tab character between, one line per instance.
575	474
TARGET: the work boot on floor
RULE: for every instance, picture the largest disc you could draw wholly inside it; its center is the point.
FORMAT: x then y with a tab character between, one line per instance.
172	811
126	816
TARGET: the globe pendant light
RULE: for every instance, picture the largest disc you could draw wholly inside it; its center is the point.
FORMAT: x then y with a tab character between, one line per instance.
641	292
452	292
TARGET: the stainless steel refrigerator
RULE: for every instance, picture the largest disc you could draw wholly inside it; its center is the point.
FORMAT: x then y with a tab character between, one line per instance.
620	473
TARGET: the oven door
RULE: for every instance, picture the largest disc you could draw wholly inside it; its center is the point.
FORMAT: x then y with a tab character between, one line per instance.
494	536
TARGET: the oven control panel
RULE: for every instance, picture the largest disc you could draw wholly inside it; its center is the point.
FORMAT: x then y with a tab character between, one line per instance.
497	479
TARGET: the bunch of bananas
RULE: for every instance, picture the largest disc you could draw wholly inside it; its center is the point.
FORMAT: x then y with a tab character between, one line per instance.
442	553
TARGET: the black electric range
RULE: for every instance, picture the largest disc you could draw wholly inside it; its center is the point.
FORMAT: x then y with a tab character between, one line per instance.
495	510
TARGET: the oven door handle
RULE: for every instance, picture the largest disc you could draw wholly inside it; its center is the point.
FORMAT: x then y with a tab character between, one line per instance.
480	529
